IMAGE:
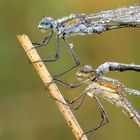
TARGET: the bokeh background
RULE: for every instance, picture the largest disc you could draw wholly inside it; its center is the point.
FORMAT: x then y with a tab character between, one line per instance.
26	110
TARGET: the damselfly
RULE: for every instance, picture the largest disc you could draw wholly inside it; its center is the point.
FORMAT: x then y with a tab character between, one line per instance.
82	24
110	89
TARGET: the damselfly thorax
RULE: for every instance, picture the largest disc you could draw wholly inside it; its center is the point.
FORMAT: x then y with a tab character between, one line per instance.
82	24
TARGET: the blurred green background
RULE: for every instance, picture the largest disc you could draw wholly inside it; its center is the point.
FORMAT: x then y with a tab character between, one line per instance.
26	110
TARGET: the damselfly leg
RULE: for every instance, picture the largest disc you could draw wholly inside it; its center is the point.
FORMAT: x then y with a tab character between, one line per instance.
82	96
77	62
44	42
69	85
104	118
57	54
73	85
59	100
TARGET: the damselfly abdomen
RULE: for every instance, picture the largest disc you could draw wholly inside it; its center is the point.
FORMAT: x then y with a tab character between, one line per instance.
82	24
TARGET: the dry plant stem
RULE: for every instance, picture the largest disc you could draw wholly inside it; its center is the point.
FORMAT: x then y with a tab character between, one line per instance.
54	91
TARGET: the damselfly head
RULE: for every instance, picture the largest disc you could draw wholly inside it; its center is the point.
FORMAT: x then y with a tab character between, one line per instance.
85	72
45	23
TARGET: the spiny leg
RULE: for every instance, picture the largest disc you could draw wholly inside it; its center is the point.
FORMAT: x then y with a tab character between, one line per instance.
104	118
44	42
46	88
82	96
57	55
69	85
58	100
74	85
73	55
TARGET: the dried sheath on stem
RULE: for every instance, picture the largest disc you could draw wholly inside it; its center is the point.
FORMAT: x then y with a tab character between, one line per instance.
54	91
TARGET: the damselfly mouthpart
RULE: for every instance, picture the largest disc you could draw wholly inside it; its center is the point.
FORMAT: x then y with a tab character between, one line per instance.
82	24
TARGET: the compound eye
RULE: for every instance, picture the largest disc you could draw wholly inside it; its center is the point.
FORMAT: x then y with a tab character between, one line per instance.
46	23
